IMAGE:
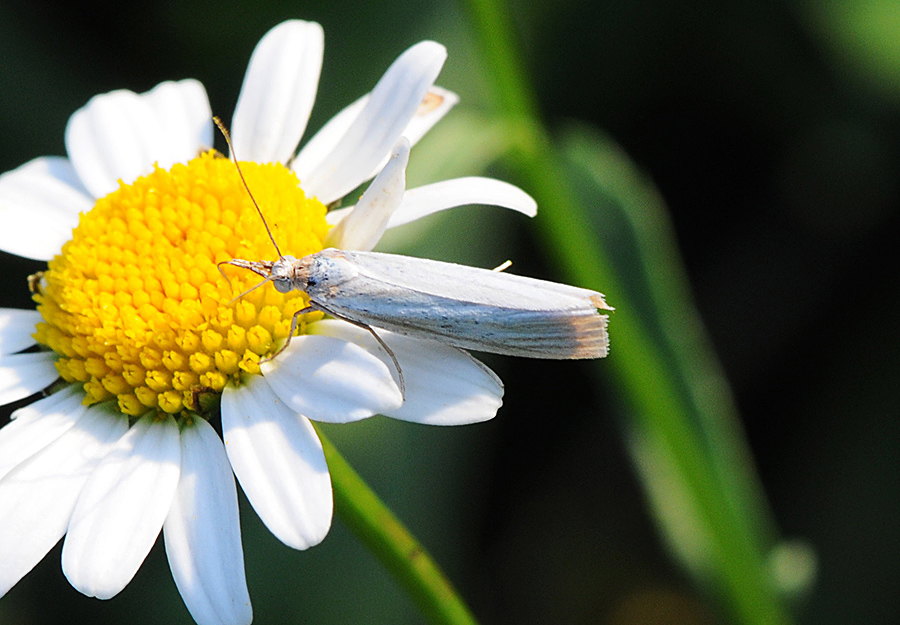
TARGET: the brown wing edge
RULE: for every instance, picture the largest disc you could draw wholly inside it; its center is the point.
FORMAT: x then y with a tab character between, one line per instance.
598	302
596	343
592	337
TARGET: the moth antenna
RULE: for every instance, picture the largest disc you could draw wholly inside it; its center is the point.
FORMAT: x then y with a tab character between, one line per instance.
227	136
252	288
268	278
219	267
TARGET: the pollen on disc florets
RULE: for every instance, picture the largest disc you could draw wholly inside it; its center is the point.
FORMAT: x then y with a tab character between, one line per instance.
135	304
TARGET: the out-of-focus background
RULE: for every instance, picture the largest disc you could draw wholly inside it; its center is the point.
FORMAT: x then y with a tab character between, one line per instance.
772	131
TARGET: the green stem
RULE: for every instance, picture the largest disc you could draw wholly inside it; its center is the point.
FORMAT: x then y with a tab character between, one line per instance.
667	420
386	537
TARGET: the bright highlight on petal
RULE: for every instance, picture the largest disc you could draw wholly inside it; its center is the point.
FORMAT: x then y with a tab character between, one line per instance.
116	136
429	199
331	380
16	327
38	496
439	196
278	92
185	120
37	425
22	375
444	385
265	438
203	534
121	508
39	206
436	103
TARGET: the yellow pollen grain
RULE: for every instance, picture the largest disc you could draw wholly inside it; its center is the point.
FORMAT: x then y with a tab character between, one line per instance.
135	304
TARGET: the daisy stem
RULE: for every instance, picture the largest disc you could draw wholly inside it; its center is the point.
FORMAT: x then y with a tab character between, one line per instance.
683	428
388	539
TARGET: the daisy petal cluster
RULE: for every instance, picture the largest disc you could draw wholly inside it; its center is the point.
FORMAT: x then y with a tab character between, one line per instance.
154	386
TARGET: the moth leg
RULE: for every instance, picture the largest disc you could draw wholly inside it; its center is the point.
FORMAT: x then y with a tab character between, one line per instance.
294	323
401	382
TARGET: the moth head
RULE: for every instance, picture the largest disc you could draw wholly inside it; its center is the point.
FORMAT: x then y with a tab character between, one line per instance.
283	274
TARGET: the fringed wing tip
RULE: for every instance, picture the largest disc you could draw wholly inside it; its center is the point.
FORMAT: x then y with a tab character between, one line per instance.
592	339
598	302
597	343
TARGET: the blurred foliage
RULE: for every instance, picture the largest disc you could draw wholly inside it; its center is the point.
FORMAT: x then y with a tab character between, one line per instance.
861	36
771	131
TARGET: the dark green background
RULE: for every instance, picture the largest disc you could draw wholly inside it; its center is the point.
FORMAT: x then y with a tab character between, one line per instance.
771	129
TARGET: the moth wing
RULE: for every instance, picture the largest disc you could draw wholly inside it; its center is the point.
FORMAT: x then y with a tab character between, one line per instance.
464	306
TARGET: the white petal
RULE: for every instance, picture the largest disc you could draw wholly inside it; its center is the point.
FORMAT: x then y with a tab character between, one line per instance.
16	328
122	508
37	497
362	229
326	139
24	374
279	462
444	385
39	206
331	380
120	135
432	198
278	92
114	136
375	131
185	118
203	533
436	104
36	425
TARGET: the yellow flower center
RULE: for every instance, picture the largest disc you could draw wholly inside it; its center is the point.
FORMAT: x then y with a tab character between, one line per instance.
135	305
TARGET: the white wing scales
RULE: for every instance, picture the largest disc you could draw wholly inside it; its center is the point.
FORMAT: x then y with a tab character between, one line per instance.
466	307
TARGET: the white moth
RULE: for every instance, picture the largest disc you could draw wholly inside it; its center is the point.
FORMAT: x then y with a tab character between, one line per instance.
466	307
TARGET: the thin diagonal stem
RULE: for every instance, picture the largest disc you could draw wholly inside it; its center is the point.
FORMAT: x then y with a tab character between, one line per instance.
387	538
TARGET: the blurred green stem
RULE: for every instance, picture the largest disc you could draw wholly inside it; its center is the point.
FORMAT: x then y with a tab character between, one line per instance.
386	537
692	426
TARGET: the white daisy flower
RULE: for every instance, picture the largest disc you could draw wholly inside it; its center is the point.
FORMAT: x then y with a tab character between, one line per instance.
140	343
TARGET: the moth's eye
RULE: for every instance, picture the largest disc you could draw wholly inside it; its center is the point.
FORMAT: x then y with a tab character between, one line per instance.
283	285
